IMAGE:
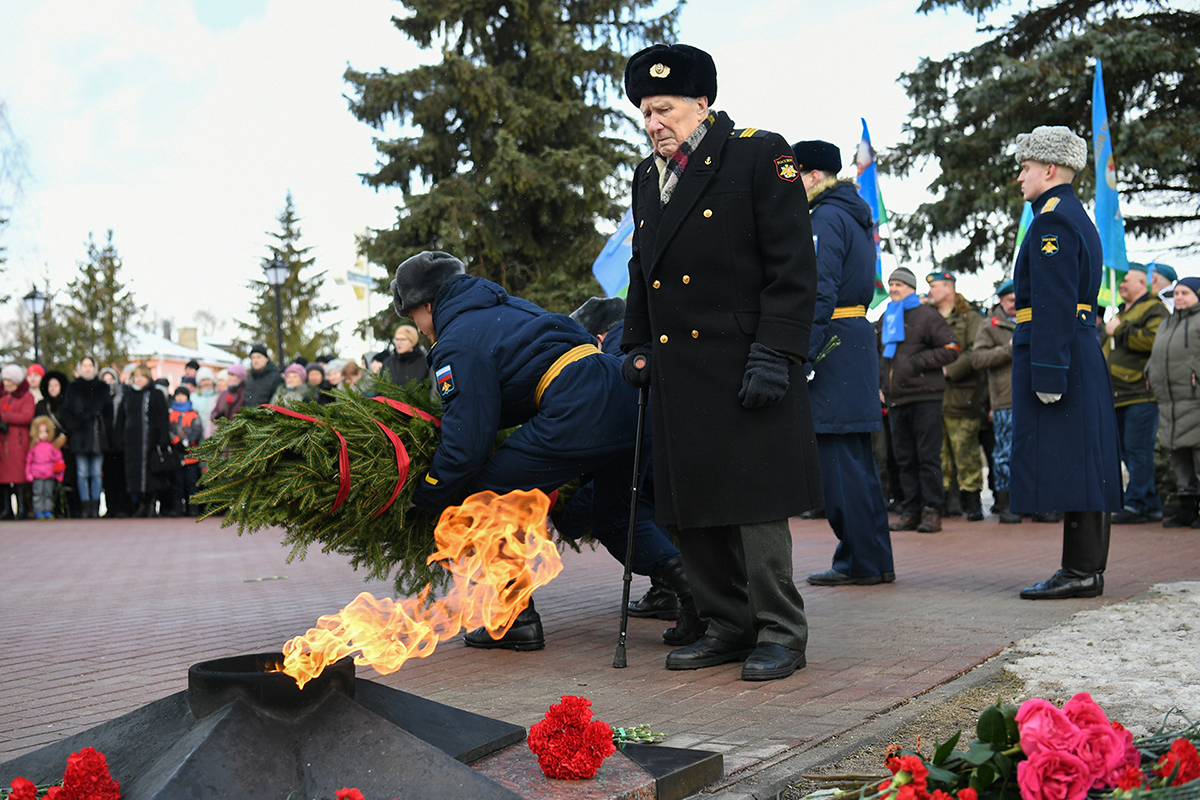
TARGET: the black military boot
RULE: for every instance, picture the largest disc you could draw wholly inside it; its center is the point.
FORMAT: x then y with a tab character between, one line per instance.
972	506
1000	508
953	507
690	627
525	634
1085	556
657	603
1187	513
24	501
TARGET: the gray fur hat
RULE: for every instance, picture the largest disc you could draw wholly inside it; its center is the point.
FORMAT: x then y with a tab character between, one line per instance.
1053	144
599	314
419	278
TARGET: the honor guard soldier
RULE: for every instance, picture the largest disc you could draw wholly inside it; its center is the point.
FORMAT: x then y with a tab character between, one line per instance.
1065	452
722	285
844	386
501	362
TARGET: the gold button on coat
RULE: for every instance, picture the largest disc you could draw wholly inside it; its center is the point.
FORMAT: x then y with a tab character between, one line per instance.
687	278
656	284
695	334
663	338
707	212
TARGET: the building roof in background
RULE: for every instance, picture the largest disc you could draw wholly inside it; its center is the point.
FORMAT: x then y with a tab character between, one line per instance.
148	345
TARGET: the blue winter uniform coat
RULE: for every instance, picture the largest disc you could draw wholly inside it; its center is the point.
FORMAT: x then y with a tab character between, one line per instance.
1065	455
845	392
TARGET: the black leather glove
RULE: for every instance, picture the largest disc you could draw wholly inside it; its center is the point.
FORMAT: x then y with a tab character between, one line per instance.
635	377
766	379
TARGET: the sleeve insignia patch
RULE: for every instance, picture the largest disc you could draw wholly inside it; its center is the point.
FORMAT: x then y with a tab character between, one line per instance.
785	167
1049	245
445	381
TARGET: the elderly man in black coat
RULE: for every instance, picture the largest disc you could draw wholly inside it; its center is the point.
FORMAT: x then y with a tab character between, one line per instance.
721	295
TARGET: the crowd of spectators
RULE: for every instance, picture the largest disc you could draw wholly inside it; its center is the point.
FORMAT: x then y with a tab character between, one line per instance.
69	444
948	384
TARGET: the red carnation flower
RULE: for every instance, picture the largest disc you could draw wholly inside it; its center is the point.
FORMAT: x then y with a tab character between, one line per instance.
87	777
569	744
1181	759
967	794
1130	778
22	789
348	794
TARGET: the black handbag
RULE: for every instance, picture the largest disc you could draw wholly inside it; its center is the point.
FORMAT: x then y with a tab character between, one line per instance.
164	459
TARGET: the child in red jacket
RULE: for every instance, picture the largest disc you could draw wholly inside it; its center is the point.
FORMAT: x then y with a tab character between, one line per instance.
44	467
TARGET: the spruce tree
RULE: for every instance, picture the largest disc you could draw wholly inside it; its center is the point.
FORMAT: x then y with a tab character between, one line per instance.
99	314
302	310
1037	70
511	152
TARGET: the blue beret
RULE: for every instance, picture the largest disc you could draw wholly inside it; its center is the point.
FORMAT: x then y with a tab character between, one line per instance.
1008	287
1166	270
939	276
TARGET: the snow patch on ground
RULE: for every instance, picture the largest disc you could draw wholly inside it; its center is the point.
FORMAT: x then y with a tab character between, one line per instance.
1138	659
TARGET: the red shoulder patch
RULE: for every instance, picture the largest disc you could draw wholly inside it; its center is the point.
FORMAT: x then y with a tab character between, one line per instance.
785	168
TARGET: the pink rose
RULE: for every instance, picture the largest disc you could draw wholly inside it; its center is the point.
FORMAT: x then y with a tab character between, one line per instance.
1132	757
1083	710
1043	726
1053	775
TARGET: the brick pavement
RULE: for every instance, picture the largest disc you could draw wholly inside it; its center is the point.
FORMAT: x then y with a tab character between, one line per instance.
101	617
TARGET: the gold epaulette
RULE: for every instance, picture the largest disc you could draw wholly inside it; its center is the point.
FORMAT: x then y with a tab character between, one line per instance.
748	133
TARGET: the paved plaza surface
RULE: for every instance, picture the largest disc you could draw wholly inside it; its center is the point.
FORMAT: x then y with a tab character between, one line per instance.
100	617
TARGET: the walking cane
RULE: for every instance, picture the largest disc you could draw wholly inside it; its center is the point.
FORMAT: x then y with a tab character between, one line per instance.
643	394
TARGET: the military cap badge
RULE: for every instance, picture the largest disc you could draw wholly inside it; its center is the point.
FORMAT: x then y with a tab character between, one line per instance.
660	71
785	167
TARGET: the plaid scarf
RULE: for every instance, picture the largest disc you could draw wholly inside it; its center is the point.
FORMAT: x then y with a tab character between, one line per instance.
674	167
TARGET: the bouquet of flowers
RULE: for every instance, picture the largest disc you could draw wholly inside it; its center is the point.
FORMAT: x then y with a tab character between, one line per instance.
1042	752
568	743
86	778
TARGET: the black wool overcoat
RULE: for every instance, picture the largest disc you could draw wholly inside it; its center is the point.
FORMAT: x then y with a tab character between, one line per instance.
727	262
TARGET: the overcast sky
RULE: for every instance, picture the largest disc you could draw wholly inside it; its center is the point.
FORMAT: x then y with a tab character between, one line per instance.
182	124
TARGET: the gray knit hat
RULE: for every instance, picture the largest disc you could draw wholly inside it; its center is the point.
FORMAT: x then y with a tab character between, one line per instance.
904	275
418	279
1053	144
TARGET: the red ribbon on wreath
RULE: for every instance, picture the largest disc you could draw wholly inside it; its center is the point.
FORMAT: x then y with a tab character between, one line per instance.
405	408
402	462
343	455
402	457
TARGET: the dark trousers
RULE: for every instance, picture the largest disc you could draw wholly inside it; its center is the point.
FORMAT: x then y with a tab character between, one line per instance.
183	484
1137	425
916	430
741	579
854	504
612	479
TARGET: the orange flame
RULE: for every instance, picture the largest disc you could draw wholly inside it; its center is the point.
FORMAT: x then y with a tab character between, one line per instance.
498	550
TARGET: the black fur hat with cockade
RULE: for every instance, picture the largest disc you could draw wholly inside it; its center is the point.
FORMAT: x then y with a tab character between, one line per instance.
677	69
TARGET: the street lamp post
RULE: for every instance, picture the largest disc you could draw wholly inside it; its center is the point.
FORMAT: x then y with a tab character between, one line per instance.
35	304
277	272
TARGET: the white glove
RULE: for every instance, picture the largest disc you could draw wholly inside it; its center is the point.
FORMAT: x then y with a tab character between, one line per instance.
1049	397
812	373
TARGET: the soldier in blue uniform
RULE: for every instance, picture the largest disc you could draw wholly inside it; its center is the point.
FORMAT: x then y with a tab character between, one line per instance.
501	362
1065	452
843	387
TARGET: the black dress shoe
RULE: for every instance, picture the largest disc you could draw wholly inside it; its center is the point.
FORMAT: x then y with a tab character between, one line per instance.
1129	517
831	577
771	661
1065	584
888	577
658	603
707	652
524	635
